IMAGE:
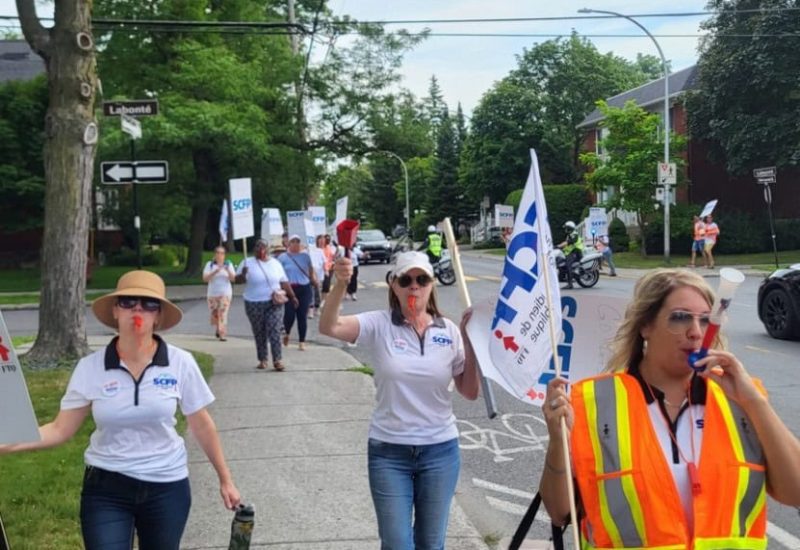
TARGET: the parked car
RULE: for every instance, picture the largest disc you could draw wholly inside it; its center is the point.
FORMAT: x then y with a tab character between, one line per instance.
375	246
779	303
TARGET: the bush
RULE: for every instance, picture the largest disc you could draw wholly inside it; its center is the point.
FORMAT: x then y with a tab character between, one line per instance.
618	233
565	202
787	234
159	257
681	230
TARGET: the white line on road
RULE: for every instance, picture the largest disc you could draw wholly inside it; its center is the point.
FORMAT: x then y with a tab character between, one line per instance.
783	537
775	533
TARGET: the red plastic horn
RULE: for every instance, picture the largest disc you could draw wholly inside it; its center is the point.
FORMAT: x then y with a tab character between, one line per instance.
346	233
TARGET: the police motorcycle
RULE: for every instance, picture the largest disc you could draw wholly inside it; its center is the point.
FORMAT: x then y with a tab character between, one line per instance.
586	271
442	270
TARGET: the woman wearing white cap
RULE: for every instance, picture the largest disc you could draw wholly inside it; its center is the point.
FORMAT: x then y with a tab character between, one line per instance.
413	451
136	476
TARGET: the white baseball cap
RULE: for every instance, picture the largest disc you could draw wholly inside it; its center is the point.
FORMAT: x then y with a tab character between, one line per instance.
411	260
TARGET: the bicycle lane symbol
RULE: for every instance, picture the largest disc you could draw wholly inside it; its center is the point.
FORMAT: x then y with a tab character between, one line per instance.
519	436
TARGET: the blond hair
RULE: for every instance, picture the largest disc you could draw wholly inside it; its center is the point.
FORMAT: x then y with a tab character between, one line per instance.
649	295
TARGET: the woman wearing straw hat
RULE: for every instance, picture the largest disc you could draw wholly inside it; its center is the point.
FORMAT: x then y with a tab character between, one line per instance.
136	475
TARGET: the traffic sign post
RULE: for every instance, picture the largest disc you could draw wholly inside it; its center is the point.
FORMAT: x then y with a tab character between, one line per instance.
766	176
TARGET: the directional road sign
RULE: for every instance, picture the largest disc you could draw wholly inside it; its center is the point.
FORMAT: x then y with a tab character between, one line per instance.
131	126
140	107
145	171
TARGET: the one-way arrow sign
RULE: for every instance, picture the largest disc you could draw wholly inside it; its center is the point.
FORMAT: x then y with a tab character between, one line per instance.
150	171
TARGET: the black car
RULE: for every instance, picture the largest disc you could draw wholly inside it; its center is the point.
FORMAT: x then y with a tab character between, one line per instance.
375	246
779	303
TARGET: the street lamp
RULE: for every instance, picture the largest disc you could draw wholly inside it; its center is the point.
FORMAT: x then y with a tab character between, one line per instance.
405	175
666	115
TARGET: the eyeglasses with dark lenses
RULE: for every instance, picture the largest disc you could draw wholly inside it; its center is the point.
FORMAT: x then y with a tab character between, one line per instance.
678	322
405	280
148	304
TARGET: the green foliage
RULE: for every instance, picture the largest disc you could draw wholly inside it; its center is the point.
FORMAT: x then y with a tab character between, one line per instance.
787	234
618	233
681	229
632	150
22	109
163	257
513	199
539	105
747	102
564	203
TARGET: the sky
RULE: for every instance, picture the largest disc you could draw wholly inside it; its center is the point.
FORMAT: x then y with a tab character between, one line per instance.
466	67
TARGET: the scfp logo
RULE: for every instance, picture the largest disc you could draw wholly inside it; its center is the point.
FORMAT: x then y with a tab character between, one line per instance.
242	204
442	340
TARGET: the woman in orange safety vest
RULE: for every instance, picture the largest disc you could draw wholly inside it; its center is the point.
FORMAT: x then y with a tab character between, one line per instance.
663	457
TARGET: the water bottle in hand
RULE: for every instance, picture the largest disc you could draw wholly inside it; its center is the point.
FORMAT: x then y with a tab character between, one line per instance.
242	527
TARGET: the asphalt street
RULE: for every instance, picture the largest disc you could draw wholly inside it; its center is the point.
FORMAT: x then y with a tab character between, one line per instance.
502	458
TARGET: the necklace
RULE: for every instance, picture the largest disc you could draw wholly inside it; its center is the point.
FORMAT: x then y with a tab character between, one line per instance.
694	477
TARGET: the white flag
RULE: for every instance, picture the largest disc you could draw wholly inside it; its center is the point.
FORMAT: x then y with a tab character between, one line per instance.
519	346
223	221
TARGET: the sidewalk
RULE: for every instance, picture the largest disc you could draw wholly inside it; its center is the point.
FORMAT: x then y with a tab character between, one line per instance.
296	443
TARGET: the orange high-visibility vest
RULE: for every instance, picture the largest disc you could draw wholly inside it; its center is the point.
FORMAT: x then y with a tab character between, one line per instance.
626	486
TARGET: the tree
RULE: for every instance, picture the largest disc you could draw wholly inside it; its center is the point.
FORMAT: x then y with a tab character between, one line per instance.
631	152
443	196
539	104
22	110
747	102
69	148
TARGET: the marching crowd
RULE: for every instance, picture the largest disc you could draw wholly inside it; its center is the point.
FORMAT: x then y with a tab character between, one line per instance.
663	455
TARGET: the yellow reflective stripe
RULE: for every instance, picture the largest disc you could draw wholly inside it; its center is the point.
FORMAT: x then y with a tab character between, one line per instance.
626	457
591	418
756	511
586	546
738	543
738	451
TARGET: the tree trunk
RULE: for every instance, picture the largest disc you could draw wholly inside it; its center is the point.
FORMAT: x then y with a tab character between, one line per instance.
205	172
69	150
642	236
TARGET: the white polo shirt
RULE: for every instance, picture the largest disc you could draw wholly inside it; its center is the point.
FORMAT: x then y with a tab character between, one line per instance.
135	433
412	375
262	278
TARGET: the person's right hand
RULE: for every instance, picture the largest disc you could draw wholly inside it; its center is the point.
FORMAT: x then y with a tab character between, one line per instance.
557	406
343	269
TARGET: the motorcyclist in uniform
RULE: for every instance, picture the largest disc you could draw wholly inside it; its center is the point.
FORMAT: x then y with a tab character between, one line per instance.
573	249
432	245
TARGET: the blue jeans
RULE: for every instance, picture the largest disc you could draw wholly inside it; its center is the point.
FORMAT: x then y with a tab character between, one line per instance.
113	505
413	478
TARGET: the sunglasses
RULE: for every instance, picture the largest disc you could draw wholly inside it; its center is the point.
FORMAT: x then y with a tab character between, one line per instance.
405	280
148	304
678	322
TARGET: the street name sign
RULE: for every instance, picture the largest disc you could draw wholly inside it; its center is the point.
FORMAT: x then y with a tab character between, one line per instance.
765	175
131	126
140	107
19	421
143	171
667	173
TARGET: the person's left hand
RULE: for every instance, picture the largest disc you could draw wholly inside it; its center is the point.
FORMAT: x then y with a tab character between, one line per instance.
725	369
230	495
295	302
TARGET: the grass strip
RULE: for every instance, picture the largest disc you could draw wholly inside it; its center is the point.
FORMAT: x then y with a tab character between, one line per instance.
40	491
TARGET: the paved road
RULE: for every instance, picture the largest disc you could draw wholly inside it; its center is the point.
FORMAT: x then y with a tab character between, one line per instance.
502	458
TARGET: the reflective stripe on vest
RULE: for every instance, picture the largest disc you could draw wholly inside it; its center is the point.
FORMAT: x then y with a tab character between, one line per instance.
620	507
751	489
730	513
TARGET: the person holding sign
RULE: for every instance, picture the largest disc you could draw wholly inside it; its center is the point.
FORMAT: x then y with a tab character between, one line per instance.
299	268
136	476
712	234
413	455
699	242
663	456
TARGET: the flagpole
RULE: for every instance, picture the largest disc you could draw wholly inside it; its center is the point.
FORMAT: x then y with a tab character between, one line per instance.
548	270
488	394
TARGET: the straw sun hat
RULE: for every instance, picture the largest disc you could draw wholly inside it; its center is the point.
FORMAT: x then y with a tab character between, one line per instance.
138	283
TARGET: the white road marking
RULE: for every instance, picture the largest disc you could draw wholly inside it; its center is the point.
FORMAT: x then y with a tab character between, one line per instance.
775	533
762	350
783	537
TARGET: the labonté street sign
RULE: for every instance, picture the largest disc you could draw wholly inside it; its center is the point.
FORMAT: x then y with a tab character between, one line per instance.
139	107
